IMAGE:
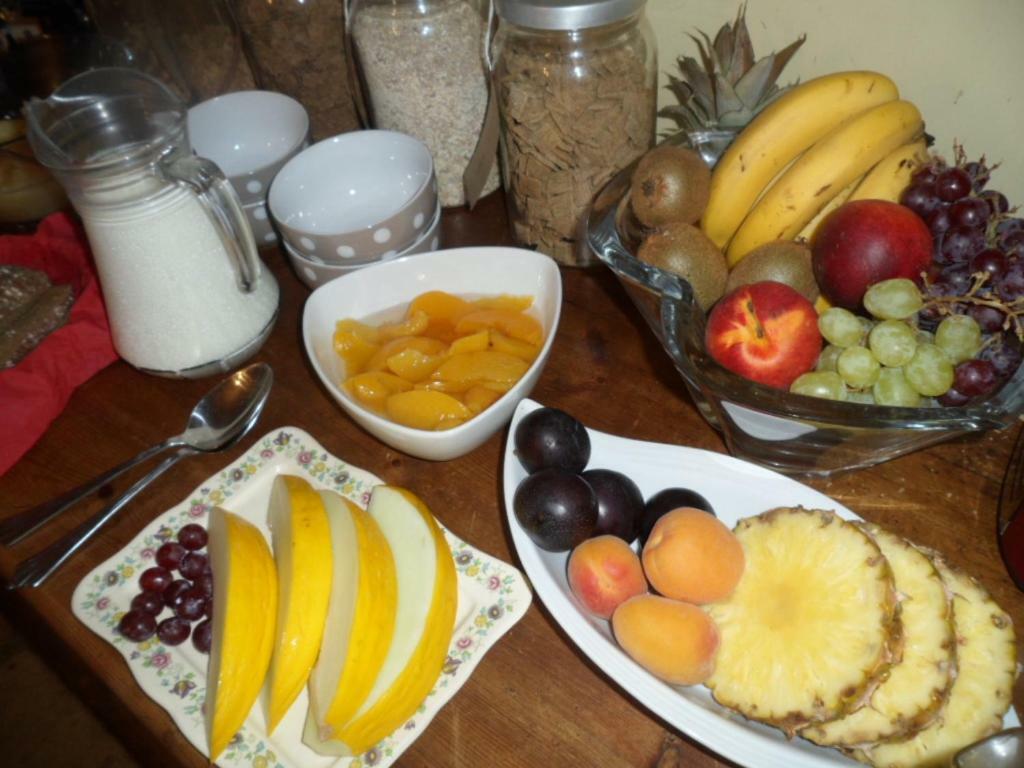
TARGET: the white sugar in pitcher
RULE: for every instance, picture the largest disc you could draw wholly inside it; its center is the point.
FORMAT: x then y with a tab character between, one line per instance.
184	288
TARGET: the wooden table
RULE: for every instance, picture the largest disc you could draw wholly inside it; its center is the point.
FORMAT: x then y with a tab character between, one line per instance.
534	699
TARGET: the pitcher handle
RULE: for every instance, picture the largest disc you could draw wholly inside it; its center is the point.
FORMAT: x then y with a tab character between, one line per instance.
220	200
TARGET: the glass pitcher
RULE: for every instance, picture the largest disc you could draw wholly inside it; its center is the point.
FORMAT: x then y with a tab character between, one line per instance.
185	291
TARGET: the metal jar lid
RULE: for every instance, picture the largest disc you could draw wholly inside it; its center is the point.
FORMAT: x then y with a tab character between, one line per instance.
565	14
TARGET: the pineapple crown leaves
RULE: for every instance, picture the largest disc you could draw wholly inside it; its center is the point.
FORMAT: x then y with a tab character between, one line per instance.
727	87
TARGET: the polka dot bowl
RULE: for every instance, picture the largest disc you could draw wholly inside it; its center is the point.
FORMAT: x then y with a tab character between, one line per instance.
259	221
314	272
356	197
250	135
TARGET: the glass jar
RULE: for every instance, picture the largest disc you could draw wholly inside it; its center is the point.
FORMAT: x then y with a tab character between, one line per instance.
576	90
422	72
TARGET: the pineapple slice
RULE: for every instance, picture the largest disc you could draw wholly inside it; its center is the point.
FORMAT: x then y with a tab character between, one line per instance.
918	686
813	624
982	691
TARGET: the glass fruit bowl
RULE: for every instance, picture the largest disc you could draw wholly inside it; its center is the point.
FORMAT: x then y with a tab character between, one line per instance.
790	433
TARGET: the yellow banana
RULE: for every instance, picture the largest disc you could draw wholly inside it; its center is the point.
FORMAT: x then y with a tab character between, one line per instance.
822	172
785	128
808	231
888	179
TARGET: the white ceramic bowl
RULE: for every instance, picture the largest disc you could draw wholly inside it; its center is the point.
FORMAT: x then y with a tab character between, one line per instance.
355	196
314	272
391	285
250	135
259	221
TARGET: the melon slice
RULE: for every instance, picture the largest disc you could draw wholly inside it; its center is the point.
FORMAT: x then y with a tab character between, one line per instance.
244	611
424	622
302	550
360	616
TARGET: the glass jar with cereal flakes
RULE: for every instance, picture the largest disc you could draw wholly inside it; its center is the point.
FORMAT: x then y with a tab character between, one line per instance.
420	64
576	90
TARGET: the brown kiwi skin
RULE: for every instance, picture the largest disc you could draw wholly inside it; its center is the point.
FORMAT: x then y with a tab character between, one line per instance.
670	184
686	251
784	261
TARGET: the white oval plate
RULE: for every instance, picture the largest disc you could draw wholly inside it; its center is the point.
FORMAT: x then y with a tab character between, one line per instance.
735	489
492	597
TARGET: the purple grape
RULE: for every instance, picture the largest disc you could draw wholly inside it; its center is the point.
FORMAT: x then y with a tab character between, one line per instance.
155	579
172	595
205	584
939	221
137	625
192	604
1012	244
972	212
952	184
1011	285
148	602
989	319
192	536
1006	226
170	554
926	174
173	631
193	565
959	244
997	202
978	173
202	636
1004	354
952	398
956	280
992	261
975	377
922	199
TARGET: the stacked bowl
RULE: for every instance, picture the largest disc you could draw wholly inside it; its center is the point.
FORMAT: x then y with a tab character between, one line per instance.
251	135
356	199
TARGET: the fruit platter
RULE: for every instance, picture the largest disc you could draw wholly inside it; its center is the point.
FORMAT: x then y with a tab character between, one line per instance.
895	326
784	617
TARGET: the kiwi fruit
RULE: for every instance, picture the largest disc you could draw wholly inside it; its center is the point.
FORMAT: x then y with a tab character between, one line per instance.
670	184
784	261
684	250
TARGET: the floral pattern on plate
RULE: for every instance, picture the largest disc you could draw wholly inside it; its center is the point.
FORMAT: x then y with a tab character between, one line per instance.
493	596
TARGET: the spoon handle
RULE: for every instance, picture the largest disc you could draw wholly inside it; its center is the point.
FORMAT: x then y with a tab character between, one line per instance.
38	568
17	527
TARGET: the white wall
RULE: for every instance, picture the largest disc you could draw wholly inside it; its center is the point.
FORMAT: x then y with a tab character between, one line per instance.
959	61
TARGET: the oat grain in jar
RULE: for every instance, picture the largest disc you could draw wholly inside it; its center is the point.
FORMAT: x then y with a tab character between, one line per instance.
576	89
422	70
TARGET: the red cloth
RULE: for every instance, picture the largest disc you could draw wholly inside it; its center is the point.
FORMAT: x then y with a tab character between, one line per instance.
35	391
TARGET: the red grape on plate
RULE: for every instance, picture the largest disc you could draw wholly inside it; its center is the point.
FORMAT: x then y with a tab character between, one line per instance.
173	631
202	636
169	555
137	625
193	536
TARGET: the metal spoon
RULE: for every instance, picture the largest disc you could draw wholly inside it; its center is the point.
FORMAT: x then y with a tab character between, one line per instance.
221	418
216	412
1000	750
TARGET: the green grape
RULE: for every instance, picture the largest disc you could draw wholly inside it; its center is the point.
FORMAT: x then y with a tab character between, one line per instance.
824	384
858	367
929	371
828	357
863	397
893	342
840	327
892	388
895	299
924	337
959	337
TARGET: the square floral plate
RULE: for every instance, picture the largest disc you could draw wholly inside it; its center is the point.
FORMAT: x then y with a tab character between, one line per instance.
735	489
492	597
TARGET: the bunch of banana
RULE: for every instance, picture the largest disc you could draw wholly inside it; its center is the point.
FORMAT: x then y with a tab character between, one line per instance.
842	136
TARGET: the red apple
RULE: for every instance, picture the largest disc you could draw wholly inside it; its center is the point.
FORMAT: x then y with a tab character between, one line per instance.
765	332
864	242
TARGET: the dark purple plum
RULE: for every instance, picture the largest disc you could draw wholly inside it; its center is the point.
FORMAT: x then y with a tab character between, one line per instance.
665	501
620	504
549	438
556	509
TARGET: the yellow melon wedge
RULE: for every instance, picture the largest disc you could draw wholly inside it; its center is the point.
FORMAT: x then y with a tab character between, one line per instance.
360	616
302	550
425	620
244	611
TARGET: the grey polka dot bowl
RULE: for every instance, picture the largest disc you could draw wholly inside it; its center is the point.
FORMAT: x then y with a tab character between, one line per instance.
356	197
250	135
259	221
315	272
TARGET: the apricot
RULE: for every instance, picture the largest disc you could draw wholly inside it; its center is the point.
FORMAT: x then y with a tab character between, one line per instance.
692	556
426	409
478	399
514	324
460	372
373	388
673	640
379	360
603	572
522	349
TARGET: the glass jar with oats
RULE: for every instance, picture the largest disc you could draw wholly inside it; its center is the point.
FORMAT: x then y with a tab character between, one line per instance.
421	69
576	90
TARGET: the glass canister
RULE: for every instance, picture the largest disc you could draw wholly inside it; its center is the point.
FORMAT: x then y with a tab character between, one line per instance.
183	286
422	73
576	89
